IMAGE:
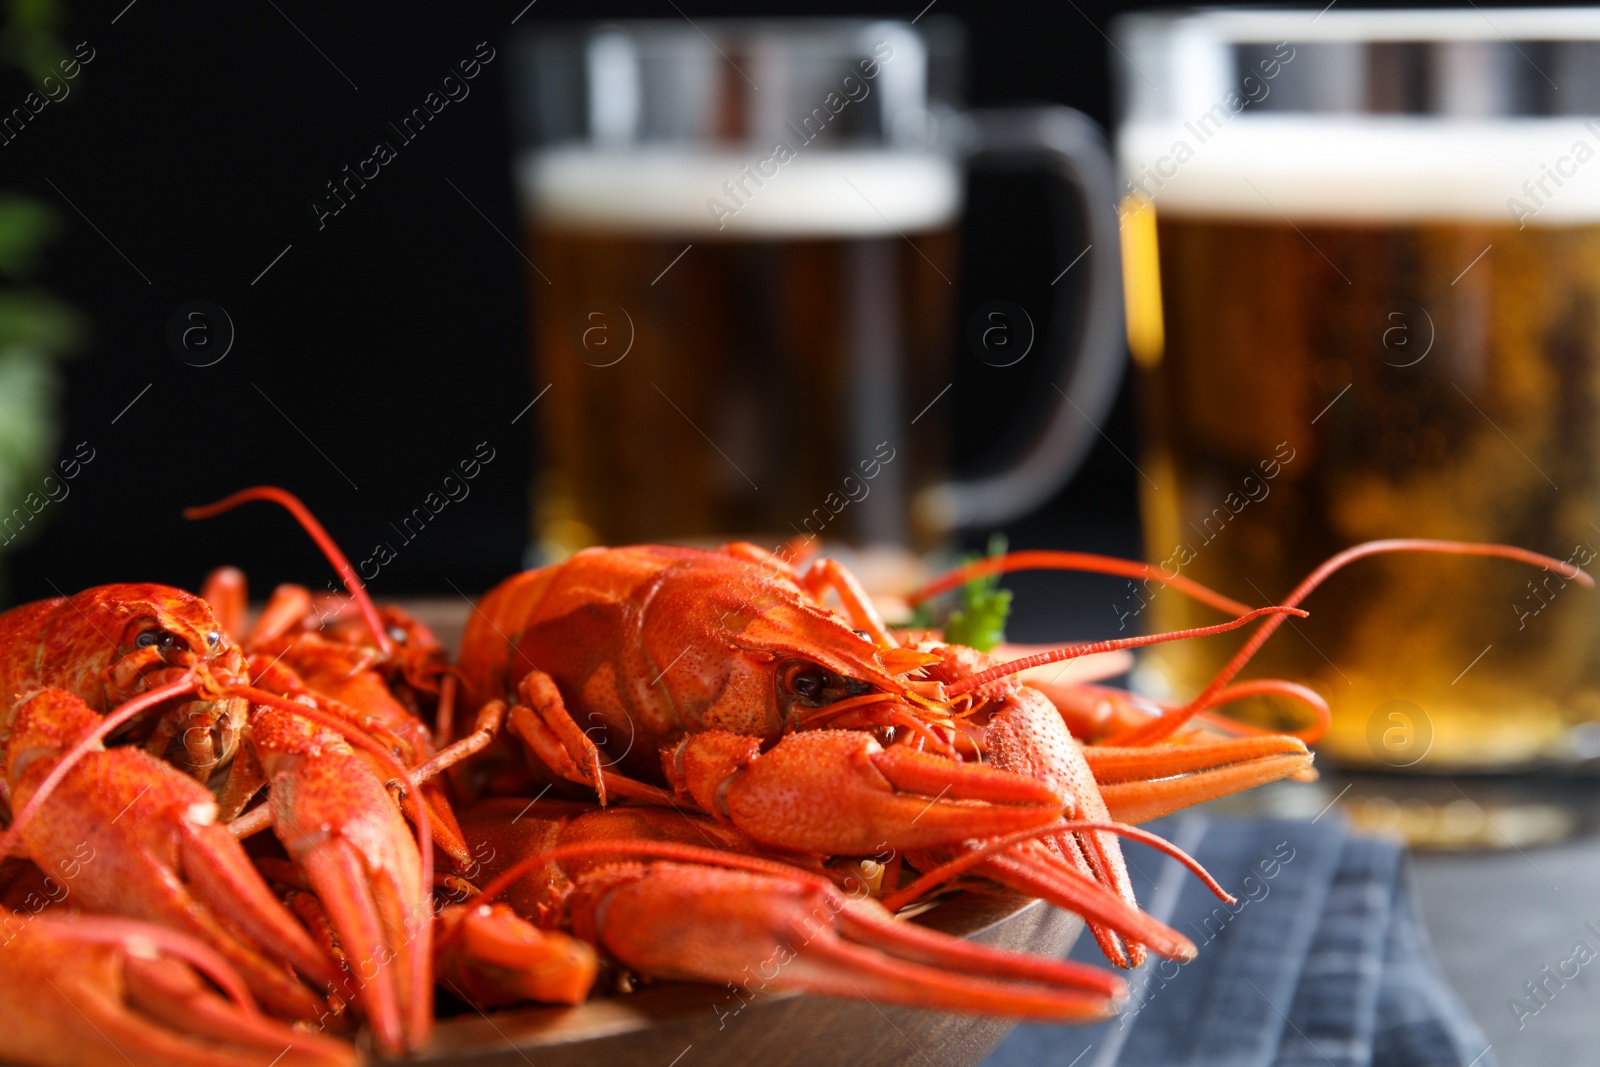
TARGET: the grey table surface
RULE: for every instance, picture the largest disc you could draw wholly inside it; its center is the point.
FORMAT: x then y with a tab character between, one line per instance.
1497	920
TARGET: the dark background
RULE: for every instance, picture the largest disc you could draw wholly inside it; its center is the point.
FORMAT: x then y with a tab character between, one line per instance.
379	351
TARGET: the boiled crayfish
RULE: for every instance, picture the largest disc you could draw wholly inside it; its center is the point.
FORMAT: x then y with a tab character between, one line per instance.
725	677
779	763
315	720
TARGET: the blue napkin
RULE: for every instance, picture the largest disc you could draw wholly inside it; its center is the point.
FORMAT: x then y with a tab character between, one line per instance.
1321	962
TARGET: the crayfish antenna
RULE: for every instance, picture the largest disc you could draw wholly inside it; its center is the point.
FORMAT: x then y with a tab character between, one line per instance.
1023	863
1072	561
1162	728
937	876
1282	688
291	503
1056	655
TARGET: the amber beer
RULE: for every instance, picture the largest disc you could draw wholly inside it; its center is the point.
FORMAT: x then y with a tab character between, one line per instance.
751	370
1373	319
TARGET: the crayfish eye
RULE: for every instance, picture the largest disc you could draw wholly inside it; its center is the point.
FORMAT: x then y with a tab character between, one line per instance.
165	640
809	683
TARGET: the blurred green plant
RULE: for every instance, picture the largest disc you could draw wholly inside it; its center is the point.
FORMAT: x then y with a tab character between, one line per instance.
37	330
30	40
979	619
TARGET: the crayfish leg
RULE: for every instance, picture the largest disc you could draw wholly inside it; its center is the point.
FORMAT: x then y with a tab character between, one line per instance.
227	590
543	721
821	577
245	779
829	574
490	956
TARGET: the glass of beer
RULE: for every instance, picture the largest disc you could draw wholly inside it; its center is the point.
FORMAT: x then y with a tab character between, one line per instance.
743	242
1364	266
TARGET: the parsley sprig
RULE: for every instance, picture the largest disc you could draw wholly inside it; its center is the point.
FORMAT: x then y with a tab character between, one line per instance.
980	619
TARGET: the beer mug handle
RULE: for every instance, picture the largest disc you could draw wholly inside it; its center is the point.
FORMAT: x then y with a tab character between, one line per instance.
1088	348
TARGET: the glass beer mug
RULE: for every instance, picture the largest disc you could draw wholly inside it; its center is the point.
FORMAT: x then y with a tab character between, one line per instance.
743	239
1365	260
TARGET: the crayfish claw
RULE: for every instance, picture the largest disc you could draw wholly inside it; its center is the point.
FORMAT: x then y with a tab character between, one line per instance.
346	834
364	919
141	841
223	877
1144	783
918	772
142	1002
841	793
657	921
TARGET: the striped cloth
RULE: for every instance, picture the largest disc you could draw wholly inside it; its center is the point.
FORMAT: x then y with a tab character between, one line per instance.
1321	962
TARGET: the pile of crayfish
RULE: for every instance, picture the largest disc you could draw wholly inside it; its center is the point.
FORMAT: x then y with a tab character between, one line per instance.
646	763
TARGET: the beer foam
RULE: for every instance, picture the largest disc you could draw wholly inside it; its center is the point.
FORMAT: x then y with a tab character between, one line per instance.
1267	25
1369	168
817	193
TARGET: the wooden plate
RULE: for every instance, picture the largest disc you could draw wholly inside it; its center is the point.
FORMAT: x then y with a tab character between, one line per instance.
690	1025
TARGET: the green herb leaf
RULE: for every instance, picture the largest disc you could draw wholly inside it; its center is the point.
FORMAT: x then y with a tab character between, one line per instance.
980	621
